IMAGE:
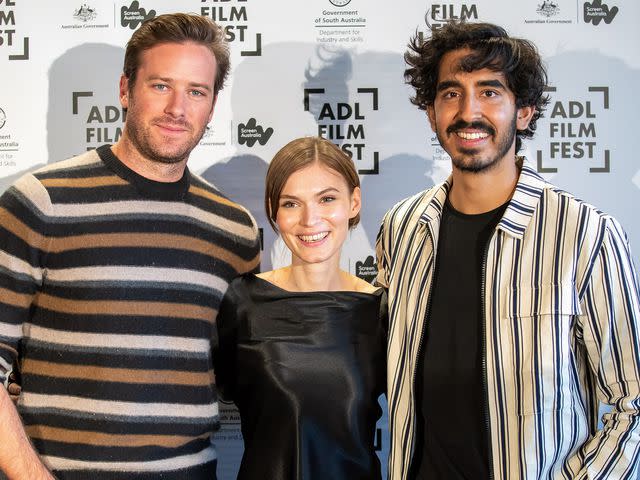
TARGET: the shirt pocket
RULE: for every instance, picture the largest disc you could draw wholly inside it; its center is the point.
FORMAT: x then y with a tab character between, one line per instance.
540	344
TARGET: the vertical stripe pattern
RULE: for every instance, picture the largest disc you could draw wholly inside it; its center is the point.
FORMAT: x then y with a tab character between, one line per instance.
562	310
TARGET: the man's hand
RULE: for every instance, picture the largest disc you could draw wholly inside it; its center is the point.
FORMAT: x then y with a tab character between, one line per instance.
18	459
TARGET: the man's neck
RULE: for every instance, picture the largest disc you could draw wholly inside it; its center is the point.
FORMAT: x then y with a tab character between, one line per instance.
474	193
153	170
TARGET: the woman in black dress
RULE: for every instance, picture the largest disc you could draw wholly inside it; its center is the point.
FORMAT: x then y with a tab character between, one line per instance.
301	349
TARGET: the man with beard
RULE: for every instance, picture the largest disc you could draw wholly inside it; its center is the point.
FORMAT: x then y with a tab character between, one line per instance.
112	268
513	305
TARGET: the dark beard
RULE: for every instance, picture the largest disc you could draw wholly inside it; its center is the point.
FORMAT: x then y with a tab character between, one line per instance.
478	165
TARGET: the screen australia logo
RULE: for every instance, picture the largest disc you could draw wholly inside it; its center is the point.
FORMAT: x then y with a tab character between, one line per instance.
134	15
367	270
596	11
251	132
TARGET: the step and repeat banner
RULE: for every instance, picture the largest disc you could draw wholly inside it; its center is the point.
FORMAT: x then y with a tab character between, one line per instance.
332	68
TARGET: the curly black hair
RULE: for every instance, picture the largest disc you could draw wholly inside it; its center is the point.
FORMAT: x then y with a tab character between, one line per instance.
492	48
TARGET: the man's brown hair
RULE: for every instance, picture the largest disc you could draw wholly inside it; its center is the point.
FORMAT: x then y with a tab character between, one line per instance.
178	28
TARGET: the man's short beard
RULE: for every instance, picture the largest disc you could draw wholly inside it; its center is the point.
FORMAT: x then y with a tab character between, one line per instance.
477	165
139	138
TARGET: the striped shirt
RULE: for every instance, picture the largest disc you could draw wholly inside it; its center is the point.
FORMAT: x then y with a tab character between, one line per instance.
561	309
109	289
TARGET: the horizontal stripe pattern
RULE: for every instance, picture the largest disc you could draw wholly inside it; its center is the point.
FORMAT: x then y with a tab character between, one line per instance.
115	307
123	273
106	439
31	401
562	309
67	212
115	341
83	182
112	304
124	375
175	463
19	269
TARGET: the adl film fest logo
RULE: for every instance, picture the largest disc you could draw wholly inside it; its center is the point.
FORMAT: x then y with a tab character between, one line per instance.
440	14
8	37
103	123
233	18
342	123
572	130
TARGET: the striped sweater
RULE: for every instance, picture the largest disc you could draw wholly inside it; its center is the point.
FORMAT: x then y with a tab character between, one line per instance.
561	313
109	289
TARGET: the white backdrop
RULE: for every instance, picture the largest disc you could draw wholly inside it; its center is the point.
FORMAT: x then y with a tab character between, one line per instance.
334	68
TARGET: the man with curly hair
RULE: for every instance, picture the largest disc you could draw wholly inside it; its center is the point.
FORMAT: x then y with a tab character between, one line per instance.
513	305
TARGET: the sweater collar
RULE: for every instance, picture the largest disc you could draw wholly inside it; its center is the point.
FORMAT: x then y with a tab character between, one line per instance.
151	189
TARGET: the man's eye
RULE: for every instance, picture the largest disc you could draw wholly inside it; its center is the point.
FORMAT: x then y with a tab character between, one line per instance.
327	199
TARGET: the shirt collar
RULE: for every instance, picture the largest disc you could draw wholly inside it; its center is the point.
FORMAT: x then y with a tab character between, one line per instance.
523	203
518	213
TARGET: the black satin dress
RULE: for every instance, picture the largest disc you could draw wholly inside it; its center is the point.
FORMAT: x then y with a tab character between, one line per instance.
306	371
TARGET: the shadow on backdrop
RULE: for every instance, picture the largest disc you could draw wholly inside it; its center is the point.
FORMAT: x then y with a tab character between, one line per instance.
270	89
241	178
92	70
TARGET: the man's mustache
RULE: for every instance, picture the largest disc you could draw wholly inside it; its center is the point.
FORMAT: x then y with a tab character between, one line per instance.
171	122
477	125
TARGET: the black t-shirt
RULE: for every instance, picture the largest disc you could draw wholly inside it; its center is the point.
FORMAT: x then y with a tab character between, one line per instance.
452	437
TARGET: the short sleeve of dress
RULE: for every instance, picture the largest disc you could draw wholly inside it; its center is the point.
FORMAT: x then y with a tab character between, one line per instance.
225	346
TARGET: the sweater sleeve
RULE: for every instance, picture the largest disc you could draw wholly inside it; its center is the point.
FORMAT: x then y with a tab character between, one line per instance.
22	247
